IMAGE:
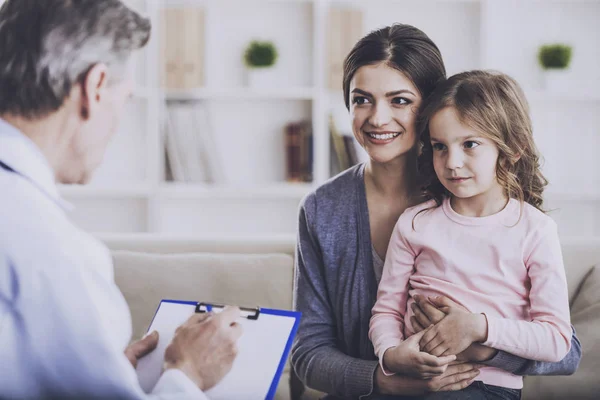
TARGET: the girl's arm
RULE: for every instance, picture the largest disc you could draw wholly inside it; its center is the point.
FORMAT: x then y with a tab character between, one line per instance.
387	324
386	328
547	337
521	366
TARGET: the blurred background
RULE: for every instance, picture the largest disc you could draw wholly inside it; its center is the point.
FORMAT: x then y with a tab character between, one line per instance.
238	110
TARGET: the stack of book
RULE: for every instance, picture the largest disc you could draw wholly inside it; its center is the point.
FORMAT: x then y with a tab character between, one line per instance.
191	152
299	151
343	154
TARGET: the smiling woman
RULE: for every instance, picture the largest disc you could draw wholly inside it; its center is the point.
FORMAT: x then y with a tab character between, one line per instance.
386	76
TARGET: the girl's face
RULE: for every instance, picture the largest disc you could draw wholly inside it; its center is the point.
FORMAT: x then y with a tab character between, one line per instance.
383	107
464	160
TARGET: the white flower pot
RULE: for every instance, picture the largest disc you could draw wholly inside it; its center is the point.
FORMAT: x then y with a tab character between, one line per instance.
557	80
260	77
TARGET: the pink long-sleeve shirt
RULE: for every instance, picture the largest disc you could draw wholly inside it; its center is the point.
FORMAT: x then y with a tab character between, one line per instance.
508	268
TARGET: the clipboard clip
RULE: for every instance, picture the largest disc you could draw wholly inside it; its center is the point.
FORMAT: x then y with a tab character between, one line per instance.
247	312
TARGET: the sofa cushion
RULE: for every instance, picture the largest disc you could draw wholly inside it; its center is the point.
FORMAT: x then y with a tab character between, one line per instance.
585	316
247	280
579	259
170	244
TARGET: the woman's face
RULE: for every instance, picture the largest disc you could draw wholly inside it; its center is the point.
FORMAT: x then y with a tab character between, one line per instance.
383	107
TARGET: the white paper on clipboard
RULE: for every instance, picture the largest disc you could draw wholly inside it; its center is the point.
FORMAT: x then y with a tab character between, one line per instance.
262	351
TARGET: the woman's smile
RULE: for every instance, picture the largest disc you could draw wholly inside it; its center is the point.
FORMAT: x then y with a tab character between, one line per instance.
381	137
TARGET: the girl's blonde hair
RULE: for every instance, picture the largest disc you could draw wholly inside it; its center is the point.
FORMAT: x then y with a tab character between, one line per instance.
494	105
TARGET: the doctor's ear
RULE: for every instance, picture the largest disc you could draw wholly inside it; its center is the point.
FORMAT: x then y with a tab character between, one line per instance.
93	88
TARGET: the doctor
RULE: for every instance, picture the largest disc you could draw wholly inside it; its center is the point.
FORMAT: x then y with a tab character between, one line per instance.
65	77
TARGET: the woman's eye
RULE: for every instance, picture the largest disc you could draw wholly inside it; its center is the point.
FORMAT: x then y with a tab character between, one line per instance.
469	144
400	100
438	147
360	100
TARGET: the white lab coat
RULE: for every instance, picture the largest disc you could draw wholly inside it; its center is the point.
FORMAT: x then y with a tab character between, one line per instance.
64	324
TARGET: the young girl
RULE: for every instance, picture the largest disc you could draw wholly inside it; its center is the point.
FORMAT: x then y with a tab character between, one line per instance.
482	240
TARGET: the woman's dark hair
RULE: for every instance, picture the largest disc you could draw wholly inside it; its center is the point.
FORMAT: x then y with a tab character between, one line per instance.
402	47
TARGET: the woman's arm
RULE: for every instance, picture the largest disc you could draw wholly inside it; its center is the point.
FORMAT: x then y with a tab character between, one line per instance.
430	312
315	355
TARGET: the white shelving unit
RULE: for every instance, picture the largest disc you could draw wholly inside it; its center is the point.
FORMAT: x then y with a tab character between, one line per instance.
129	192
244	94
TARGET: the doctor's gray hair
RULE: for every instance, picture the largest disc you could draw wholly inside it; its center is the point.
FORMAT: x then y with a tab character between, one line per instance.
48	46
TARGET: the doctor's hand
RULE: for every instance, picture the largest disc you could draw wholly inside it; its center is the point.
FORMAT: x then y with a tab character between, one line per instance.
204	347
140	348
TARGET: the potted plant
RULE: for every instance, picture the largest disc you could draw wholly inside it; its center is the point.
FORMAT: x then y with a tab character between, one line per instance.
555	60
259	57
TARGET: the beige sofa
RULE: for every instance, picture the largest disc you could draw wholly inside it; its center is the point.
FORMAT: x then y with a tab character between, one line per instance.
259	271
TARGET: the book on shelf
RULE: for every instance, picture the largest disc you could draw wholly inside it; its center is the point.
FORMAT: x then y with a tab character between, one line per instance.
299	151
182	47
343	154
191	151
345	28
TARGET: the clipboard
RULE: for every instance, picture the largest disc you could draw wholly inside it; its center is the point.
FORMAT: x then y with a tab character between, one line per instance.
263	349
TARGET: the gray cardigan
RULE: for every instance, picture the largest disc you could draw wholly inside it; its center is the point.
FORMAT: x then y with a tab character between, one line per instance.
335	289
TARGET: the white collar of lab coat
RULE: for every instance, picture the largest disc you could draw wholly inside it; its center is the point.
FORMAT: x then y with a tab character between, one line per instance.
23	156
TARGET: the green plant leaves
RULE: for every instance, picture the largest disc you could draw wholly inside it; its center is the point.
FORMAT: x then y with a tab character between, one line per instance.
260	54
555	56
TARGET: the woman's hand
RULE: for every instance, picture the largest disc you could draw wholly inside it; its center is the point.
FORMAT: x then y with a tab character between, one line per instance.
456	377
408	359
433	310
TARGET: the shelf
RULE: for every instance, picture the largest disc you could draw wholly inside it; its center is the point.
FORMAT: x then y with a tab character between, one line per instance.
207	191
92	192
362	4
187	3
539	96
574	196
242	94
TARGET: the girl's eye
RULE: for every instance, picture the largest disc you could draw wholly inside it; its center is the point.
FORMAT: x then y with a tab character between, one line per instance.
438	146
360	100
400	100
469	144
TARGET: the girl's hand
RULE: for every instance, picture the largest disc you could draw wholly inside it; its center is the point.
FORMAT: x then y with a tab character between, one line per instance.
456	377
408	359
426	312
454	333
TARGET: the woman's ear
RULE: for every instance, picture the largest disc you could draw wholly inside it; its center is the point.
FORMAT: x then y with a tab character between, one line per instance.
93	89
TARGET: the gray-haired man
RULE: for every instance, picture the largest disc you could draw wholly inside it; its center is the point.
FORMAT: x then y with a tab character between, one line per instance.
65	76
